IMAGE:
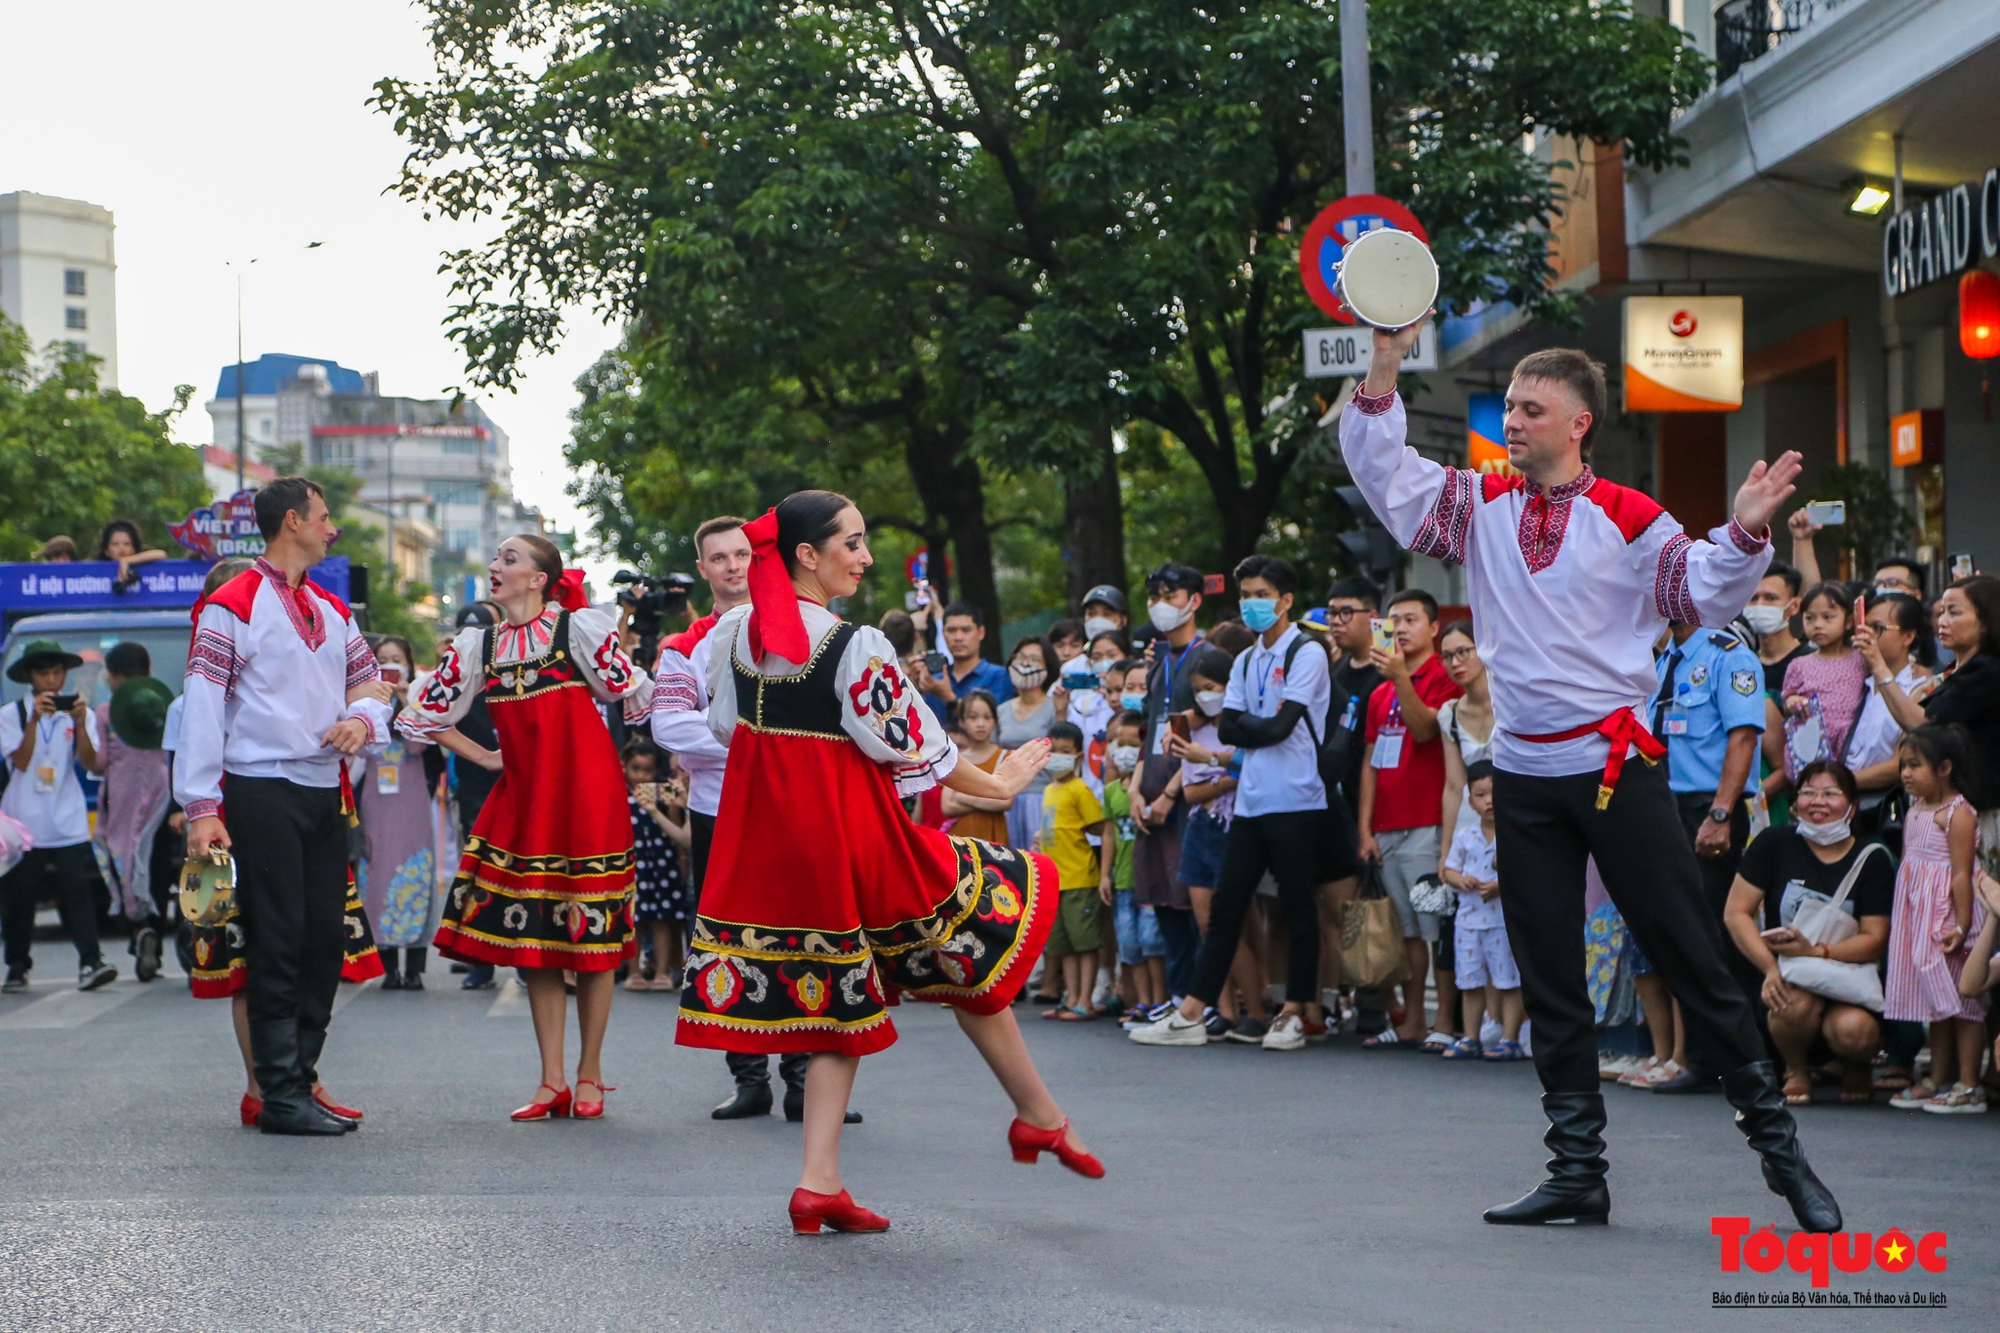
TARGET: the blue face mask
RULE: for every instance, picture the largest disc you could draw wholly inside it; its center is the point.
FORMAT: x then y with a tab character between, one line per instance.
1132	703
1259	613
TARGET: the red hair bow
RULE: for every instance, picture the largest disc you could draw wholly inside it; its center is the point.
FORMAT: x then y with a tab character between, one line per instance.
568	592
775	623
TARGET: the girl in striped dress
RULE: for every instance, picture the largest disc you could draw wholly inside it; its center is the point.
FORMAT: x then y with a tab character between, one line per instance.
1935	916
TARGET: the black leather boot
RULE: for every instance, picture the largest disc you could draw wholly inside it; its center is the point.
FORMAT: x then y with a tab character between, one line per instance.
289	1107
753	1087
413	969
1767	1122
1575	1191
392	975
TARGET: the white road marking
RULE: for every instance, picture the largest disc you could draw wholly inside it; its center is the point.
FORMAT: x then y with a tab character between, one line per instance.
69	1007
347	993
510	1002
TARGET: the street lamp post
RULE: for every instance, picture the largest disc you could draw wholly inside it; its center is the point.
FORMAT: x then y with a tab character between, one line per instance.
241	442
1357	109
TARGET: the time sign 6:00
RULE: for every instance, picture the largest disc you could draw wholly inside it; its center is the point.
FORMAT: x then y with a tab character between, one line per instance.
1331	353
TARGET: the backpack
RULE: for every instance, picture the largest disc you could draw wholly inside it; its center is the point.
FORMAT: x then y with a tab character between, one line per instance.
1338	748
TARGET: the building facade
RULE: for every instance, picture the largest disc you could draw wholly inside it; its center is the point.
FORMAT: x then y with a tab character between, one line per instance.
58	275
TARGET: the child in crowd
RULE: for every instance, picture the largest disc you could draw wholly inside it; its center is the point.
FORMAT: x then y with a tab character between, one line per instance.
1934	916
1140	947
1071	812
1822	689
1982	961
660	900
1485	962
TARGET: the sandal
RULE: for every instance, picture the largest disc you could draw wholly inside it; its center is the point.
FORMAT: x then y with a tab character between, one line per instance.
1465	1048
1913	1097
1386	1037
1073	1015
1049	1015
1892	1079
1505	1050
637	982
1439	1041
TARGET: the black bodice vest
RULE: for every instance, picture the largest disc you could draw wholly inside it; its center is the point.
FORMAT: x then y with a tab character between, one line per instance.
548	670
805	704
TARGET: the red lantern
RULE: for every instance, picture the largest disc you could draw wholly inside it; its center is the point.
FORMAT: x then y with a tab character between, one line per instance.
1979	314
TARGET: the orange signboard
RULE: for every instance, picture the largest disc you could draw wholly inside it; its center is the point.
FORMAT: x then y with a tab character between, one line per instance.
1915	437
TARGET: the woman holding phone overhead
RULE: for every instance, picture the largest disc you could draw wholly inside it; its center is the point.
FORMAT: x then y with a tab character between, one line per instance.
805	953
545	881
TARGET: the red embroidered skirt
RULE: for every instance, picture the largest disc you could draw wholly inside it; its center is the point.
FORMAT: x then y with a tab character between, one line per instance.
220	952
823	903
546	877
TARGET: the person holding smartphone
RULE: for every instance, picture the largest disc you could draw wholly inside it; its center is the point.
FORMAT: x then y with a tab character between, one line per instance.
944	684
44	737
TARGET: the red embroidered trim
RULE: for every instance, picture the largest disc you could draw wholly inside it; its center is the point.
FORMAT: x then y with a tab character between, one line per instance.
1746	543
298	606
1541	530
1374	407
213	657
361	664
614	668
1671	596
674	692
1450	520
534	636
202	809
442	687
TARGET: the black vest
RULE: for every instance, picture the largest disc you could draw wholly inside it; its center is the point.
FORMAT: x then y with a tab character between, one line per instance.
802	705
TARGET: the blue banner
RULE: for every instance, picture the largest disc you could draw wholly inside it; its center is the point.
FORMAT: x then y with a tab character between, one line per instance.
31	589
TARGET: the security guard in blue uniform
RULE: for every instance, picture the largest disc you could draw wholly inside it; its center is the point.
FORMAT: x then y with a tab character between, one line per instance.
1710	713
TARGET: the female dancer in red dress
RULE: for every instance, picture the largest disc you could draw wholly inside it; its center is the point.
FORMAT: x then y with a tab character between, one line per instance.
545	882
823	902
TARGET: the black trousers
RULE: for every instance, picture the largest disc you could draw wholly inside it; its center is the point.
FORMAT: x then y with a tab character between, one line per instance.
748	1070
1288	845
1718	873
1546	828
72	869
290	844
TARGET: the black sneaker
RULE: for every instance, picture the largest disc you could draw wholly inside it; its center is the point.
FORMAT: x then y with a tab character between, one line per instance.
1250	1031
146	946
17	981
93	975
1217	1025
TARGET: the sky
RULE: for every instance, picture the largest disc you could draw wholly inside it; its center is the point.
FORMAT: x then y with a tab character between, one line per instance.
220	131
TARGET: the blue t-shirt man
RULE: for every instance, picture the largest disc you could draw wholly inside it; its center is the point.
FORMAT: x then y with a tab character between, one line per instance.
1710	685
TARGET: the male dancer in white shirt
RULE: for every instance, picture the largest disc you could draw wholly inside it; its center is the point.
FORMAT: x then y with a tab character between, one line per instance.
1572	580
280	686
680	727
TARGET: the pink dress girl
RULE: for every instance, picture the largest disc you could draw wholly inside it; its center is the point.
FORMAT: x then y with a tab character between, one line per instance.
1923	979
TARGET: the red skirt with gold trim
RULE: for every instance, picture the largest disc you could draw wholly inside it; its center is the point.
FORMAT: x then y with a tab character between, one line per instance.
824	904
220	969
547	875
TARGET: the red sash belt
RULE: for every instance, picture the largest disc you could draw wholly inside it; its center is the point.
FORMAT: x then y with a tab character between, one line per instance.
1623	728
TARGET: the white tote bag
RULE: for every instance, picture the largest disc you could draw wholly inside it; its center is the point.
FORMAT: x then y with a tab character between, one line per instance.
1822	921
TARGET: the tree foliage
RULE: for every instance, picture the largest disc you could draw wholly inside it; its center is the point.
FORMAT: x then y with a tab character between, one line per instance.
985	238
74	455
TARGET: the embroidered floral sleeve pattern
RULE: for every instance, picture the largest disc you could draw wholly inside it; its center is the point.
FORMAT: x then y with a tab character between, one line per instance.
1374	406
593	638
1444	531
884	715
361	664
674	691
1671	595
445	697
1746	543
214	658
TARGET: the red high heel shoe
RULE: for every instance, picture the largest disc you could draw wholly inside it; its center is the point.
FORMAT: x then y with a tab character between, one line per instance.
583	1110
251	1108
555	1108
328	1104
810	1211
1030	1143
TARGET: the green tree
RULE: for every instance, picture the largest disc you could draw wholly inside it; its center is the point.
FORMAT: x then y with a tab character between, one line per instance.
74	455
994	237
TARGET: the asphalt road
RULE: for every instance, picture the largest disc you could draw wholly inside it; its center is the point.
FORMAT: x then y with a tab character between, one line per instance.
1333	1188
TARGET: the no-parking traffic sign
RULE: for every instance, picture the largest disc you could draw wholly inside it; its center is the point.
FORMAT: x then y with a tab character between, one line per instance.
1338	223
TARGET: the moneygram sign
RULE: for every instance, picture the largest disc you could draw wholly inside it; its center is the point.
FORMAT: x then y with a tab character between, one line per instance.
1683	353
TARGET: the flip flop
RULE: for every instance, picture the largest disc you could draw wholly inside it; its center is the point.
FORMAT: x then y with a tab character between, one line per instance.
1075	1016
1385	1038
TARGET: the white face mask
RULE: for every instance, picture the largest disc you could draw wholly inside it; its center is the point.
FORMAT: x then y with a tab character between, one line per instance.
1097	625
1765	619
1061	765
1124	757
1209	701
1027	676
1167	617
1824	835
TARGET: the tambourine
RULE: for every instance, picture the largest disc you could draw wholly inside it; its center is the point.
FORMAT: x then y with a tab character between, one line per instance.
208	888
1387	278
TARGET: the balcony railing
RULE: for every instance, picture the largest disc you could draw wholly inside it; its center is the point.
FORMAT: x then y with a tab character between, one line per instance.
1747	30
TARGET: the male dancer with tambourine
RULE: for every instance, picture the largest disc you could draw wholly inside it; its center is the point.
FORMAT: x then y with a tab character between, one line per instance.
1572	580
280	686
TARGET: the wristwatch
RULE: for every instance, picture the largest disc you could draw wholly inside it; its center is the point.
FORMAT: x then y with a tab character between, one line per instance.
1718	814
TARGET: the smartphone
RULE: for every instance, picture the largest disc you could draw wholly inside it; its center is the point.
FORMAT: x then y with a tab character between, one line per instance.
1212	585
1782	935
65	702
392	673
935	663
1385	634
1085	679
1961	565
1180	726
923	592
646	793
1827	513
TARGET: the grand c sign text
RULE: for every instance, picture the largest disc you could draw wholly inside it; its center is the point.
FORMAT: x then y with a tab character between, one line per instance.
1933	241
